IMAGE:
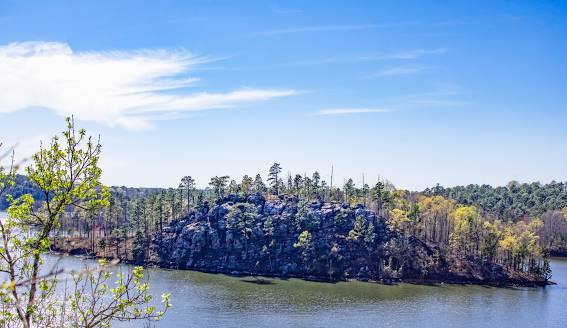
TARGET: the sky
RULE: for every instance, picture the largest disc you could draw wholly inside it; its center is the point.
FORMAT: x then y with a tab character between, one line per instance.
414	92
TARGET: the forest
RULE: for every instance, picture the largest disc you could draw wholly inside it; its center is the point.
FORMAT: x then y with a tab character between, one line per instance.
512	202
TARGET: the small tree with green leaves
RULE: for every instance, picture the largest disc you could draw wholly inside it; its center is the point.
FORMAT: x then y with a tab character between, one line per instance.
68	175
305	245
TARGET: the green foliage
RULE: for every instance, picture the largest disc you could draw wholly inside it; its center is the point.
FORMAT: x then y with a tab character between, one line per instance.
219	185
381	194
19	185
96	300
511	202
233	187
305	245
297	183
358	230
275	170
188	184
349	190
246	184
370	235
304	240
491	235
466	222
399	219
259	186
66	173
241	218
140	247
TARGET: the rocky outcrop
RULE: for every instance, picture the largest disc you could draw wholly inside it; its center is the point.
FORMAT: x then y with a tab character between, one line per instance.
288	237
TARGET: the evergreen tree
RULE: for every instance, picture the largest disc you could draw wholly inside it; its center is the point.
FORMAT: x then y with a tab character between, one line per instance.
349	190
188	184
233	187
219	185
273	179
297	183
246	184
139	248
259	185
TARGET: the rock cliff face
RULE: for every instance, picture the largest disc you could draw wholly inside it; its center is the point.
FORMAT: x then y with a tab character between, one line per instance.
318	240
286	237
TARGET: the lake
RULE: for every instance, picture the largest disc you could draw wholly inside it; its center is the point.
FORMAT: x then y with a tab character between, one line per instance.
208	300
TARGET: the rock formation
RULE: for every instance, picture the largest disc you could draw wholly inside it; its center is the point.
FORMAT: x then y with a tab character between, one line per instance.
287	237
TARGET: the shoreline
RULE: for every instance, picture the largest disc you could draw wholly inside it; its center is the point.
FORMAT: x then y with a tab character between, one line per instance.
513	283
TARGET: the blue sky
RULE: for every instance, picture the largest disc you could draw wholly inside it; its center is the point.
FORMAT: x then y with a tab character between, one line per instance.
416	92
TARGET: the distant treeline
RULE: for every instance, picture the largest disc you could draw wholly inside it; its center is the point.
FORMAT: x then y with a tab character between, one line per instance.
22	186
513	202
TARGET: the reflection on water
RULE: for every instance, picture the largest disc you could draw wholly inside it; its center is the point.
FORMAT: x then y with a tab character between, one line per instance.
208	300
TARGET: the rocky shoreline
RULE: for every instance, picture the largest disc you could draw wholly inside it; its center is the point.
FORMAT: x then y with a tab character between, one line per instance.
262	277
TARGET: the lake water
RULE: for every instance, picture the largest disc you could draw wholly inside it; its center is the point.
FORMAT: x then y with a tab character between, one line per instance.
208	300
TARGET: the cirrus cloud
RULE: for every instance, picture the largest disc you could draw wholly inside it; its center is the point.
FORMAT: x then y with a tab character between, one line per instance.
118	88
348	111
398	71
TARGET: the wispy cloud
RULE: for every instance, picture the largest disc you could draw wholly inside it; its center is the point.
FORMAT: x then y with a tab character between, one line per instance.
488	21
448	96
404	55
398	71
352	59
334	28
318	28
348	111
123	88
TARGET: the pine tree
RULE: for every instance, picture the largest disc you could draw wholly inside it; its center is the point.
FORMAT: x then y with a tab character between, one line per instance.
246	184
275	170
188	183
259	185
139	247
219	185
